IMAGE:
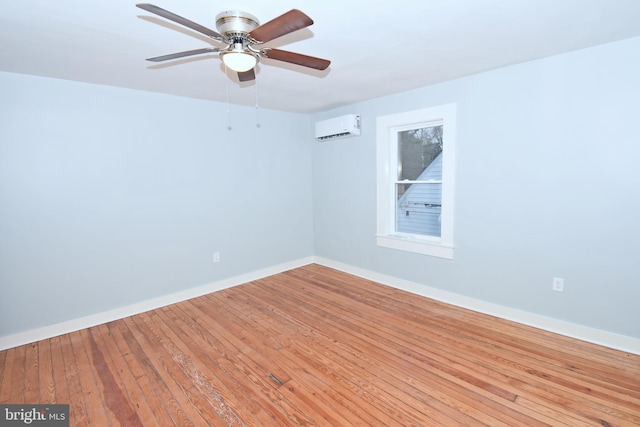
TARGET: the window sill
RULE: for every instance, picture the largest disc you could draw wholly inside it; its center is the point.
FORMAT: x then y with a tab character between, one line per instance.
410	244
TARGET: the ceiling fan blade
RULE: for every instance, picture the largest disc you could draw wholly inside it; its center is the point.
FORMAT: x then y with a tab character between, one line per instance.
296	58
284	24
183	54
246	76
179	19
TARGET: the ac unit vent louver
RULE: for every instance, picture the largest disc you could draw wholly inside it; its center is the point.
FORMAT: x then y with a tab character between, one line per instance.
338	127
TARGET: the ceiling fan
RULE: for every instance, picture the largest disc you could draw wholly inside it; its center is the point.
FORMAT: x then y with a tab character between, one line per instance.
243	36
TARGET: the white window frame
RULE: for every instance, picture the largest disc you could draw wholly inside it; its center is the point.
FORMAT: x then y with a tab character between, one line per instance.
388	128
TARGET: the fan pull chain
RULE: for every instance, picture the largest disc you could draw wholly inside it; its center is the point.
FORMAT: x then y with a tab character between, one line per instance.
226	87
257	106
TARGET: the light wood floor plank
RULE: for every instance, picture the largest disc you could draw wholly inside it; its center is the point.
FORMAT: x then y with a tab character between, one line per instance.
254	373
145	377
32	371
3	360
46	390
78	410
58	375
88	376
18	376
318	347
121	394
197	334
445	398
381	367
505	357
160	365
513	359
207	394
348	394
6	376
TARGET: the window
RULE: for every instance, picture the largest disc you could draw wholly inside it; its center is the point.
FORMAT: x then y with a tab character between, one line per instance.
416	152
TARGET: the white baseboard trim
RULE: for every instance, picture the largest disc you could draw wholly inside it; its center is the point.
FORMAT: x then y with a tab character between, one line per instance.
584	333
26	337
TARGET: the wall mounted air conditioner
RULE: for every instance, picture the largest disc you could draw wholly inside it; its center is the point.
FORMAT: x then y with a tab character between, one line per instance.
338	127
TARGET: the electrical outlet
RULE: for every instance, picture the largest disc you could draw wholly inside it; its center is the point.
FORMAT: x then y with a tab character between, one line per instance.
216	257
558	284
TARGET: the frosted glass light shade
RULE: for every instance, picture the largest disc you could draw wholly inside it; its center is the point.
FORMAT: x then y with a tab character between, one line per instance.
239	61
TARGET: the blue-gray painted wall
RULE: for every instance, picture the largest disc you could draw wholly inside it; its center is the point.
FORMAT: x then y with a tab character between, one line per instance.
547	185
110	196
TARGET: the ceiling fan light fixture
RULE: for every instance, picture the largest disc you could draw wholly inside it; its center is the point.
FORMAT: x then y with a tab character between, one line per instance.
244	37
239	61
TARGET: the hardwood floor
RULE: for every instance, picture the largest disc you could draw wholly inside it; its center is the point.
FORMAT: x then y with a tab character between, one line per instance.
313	346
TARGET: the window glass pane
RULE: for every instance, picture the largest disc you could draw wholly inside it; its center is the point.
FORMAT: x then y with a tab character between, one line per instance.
418	208
416	180
417	149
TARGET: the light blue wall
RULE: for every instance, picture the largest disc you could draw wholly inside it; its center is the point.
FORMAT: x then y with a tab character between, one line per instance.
547	185
110	196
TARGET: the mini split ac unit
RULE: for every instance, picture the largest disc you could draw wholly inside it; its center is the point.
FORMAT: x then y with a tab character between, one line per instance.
339	127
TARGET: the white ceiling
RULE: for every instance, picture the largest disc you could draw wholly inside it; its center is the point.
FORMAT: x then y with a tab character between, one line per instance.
376	48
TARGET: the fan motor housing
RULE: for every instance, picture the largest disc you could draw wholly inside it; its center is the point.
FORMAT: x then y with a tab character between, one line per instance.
235	22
